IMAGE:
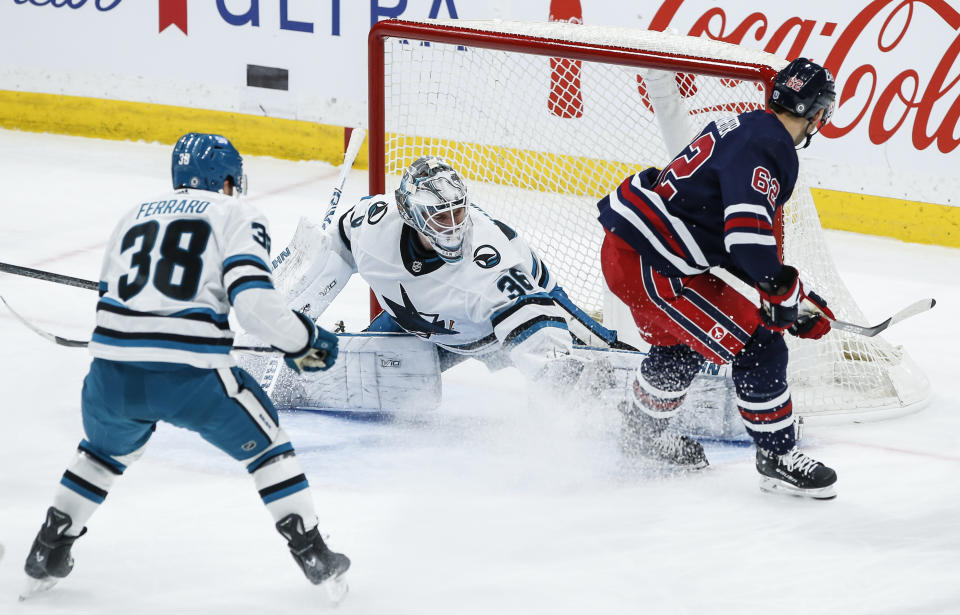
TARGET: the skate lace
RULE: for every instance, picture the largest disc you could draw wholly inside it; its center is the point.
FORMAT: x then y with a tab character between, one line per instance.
795	460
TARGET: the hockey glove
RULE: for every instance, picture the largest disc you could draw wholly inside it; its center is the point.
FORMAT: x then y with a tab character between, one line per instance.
815	318
780	299
319	353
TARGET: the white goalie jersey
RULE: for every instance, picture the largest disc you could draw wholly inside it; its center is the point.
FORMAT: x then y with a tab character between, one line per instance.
173	268
496	297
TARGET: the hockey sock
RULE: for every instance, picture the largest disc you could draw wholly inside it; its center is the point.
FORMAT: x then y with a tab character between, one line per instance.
663	379
85	485
763	397
282	485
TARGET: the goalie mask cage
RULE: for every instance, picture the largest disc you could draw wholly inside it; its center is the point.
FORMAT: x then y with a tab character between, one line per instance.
544	119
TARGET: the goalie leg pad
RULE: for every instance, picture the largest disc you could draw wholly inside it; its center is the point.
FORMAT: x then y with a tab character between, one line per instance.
373	371
711	402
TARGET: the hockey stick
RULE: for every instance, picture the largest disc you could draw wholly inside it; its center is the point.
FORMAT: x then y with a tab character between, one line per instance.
48	276
349	157
913	309
63	341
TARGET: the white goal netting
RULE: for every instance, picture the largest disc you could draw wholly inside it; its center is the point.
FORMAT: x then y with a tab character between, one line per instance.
545	128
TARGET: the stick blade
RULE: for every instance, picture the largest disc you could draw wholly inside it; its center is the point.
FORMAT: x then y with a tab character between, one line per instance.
913	309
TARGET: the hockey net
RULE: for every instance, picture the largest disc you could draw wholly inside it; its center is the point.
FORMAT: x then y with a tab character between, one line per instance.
544	119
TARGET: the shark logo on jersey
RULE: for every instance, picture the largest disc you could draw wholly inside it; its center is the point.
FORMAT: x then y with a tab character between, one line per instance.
412	320
486	257
376	212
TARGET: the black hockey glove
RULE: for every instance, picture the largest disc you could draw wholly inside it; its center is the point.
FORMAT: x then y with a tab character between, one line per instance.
319	353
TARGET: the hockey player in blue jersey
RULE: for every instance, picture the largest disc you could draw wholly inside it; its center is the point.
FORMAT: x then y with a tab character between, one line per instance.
715	205
173	269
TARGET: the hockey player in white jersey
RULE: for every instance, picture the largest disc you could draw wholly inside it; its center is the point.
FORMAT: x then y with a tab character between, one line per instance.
444	270
173	268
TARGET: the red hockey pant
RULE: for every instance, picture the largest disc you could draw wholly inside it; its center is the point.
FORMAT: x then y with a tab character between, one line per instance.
701	311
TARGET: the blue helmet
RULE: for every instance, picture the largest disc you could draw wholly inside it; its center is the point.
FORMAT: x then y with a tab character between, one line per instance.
204	161
803	88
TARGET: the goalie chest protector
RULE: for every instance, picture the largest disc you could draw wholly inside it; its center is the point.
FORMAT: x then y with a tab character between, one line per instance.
447	304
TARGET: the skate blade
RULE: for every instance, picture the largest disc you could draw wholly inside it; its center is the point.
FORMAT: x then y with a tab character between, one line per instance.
336	589
36	586
772	485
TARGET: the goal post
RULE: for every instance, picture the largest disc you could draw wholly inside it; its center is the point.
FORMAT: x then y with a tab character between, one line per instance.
545	118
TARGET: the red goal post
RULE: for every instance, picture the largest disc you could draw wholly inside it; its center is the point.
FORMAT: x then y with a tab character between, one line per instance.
543	119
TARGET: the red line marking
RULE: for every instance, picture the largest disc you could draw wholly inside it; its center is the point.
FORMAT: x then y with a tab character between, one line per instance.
892	449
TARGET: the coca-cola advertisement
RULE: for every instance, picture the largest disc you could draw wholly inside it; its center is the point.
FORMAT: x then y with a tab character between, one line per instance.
896	130
895	62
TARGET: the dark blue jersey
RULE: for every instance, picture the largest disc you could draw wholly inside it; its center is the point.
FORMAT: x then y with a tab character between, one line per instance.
714	204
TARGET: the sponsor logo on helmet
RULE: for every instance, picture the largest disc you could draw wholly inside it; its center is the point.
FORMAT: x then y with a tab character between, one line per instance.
486	256
794	84
717	332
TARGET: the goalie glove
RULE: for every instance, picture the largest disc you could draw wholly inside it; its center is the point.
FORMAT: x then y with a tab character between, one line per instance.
319	353
786	306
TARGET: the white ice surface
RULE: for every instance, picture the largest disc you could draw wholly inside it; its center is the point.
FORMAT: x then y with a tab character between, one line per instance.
484	506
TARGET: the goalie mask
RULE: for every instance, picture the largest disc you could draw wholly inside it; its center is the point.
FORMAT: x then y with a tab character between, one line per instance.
204	161
433	200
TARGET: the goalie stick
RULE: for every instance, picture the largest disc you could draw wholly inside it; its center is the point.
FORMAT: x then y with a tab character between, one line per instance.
913	309
294	253
63	341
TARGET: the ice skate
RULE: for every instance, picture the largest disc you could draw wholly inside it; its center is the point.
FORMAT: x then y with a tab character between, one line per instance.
641	434
794	473
49	559
320	565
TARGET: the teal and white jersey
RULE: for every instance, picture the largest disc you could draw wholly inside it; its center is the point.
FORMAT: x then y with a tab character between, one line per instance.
173	268
496	297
